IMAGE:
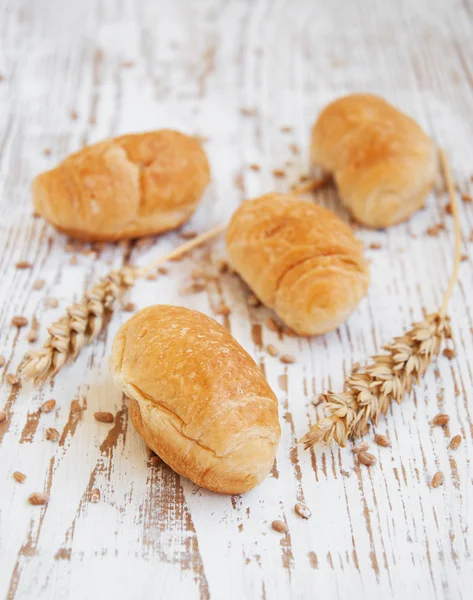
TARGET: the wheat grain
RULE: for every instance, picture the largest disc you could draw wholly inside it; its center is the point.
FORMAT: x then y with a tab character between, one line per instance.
82	324
368	393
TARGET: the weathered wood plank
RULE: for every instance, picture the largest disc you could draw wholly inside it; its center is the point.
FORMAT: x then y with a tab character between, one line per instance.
73	73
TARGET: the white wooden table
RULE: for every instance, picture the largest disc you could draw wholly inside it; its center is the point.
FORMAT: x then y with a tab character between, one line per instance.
76	72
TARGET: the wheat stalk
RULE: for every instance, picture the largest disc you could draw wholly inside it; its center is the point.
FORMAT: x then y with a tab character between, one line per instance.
369	391
81	325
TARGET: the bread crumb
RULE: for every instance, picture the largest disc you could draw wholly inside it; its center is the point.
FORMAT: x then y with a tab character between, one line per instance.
74	115
449	209
129	307
255	167
47	151
375	246
73	260
2	360
434	230
286	129
463	257
467	198
95	495
163	270
151	277
279	173
294	148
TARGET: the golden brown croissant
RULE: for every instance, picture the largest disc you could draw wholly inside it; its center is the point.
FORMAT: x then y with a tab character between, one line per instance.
125	187
300	259
197	398
383	163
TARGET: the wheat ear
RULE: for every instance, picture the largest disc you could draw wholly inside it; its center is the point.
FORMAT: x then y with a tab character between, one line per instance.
369	392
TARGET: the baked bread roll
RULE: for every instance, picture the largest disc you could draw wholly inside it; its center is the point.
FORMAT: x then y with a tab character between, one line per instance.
197	398
125	187
300	259
383	163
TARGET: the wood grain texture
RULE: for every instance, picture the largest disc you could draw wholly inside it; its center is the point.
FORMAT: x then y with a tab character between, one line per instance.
75	72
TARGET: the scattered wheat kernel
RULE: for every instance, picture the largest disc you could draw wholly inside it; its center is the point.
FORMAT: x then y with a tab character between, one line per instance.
163	270
188	235
12	379
73	260
32	336
449	353
287	359
2	360
279	173
48	406
95	495
271	324
104	417
375	246
455	441
440	420
279	526
129	307
360	447
52	302
223	310
467	198
367	459
38	499
3	416
253	300
303	511
272	350
17	476
38	284
19	322
437	479
23	264
255	167
382	440
52	434
151	277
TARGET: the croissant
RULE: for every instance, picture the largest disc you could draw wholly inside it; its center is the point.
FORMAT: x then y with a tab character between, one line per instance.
197	398
125	187
300	259
383	163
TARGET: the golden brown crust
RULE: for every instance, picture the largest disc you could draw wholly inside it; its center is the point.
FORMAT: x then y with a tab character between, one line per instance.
125	187
197	398
383	163
300	259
